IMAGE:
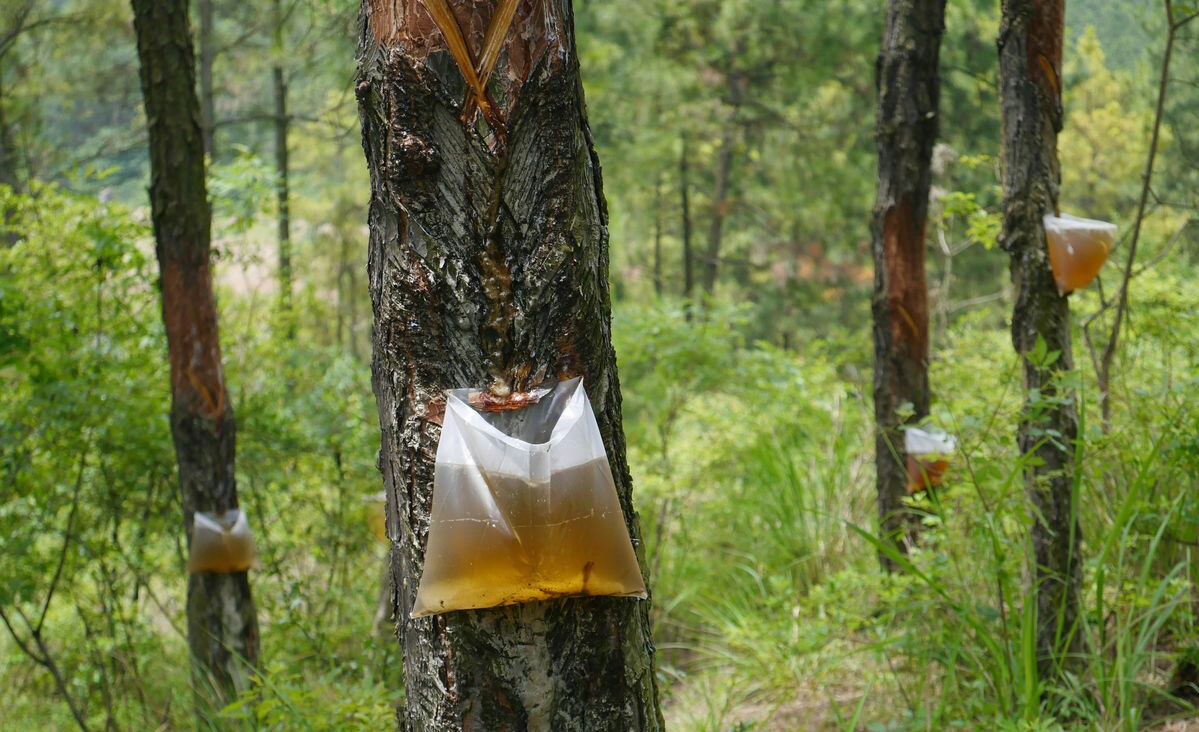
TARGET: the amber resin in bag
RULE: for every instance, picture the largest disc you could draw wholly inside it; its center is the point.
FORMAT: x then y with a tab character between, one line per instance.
928	458
221	542
524	508
1077	249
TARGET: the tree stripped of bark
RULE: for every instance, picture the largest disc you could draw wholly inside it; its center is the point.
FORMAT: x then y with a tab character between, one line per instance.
906	131
221	620
488	265
1030	62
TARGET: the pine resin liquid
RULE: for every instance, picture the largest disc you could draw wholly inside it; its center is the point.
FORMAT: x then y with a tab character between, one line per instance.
500	539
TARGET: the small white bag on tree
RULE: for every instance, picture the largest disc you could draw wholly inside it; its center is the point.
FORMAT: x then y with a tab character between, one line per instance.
928	454
221	542
524	507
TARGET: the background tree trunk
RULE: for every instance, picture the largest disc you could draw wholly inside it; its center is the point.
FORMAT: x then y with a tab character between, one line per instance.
908	93
488	264
724	176
282	173
1030	62
221	620
685	195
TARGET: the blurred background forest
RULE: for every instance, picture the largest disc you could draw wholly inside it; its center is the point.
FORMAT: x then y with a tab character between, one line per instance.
740	131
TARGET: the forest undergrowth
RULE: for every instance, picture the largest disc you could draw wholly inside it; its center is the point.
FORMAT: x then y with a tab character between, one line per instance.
753	475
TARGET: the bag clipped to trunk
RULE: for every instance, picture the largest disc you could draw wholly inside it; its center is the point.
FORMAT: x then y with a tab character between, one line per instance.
928	454
524	507
221	542
1077	249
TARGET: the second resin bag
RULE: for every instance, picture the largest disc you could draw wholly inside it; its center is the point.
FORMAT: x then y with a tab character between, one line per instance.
524	508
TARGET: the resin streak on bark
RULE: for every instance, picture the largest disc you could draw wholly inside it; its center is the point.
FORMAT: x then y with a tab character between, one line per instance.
908	93
222	624
1030	44
489	264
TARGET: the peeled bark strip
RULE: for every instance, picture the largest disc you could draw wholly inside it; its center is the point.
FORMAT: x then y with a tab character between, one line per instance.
908	93
221	619
1030	62
488	265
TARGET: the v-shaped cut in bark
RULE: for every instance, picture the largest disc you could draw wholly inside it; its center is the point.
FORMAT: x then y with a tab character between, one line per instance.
476	75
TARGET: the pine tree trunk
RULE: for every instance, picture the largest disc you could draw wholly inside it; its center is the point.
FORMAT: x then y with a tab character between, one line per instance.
221	619
908	93
488	265
1030	62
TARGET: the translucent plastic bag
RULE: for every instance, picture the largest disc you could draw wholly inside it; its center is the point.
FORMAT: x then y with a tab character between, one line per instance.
1077	249
524	508
928	457
221	542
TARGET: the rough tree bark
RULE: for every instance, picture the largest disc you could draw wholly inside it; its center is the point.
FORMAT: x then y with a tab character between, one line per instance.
1030	62
488	265
906	130
221	620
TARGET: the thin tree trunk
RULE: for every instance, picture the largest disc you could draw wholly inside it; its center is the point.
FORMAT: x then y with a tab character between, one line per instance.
488	265
906	130
1030	62
282	172
8	156
724	173
1104	373
221	619
685	195
207	96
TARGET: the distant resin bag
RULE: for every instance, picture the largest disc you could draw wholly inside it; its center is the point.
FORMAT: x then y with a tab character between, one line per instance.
524	508
1077	249
221	542
928	457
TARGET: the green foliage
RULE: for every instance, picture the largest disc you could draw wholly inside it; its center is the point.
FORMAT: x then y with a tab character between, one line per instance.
748	419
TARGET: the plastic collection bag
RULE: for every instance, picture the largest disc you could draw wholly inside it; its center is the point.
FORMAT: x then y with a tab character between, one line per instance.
524	507
928	454
221	542
1077	249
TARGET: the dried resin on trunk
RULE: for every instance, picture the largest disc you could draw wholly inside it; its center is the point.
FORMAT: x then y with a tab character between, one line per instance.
1077	249
524	508
221	542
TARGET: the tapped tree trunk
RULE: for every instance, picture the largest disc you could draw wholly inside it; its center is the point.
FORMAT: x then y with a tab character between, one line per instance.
222	623
1030	62
488	265
906	130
